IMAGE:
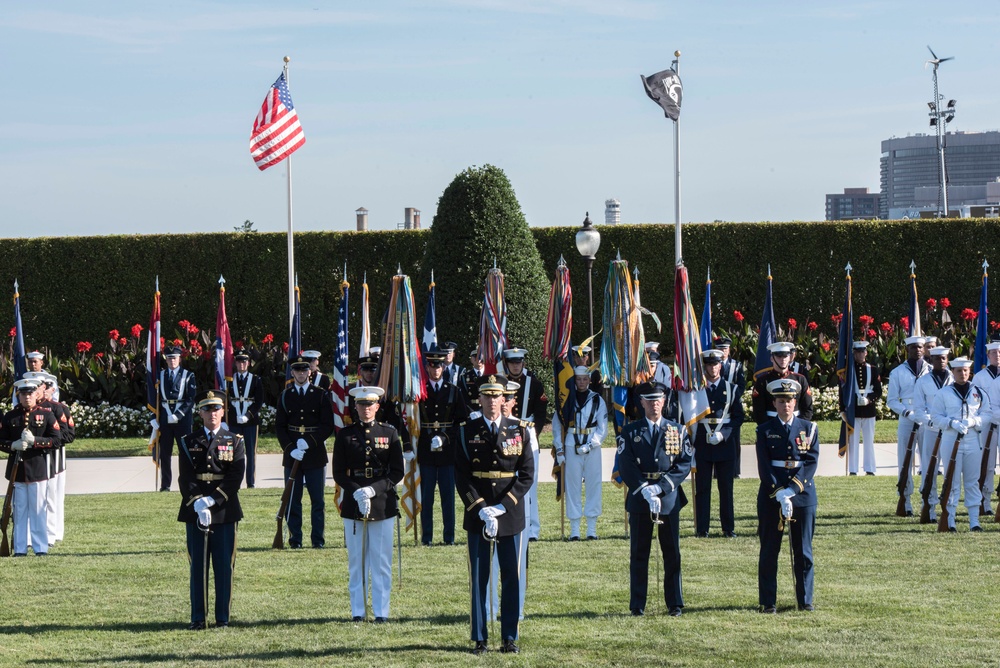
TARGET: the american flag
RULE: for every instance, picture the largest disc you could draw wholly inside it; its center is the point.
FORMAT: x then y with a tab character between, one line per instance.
338	388
276	130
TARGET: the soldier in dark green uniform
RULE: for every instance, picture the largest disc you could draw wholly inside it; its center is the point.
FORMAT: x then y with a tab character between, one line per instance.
211	466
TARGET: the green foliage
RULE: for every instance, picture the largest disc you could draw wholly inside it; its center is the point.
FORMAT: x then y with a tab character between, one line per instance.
478	220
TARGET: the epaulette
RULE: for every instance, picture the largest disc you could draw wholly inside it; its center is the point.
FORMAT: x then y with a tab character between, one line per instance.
461	424
525	423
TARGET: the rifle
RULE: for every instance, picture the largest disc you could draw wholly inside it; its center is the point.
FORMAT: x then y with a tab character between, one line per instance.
279	535
904	473
949	478
927	485
8	506
984	467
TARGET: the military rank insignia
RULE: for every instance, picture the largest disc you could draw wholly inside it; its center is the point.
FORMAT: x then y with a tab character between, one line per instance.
512	447
672	440
224	452
381	442
802	442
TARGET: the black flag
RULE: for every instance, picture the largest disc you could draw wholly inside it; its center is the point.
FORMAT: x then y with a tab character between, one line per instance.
664	88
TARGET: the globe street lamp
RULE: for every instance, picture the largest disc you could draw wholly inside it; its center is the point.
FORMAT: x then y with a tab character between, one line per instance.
588	241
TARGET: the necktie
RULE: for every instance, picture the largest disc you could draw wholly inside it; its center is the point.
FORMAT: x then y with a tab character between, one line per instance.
711	388
437	386
493	428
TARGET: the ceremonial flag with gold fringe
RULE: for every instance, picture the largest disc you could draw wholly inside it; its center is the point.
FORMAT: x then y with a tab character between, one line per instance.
690	379
223	343
365	320
402	376
555	347
493	322
845	369
913	324
982	333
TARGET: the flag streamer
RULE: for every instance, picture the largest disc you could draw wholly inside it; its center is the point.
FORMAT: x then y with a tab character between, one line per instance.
559	321
338	386
493	322
690	378
845	369
401	373
623	355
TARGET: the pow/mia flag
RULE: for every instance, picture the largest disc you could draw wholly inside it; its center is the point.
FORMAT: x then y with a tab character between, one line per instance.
664	88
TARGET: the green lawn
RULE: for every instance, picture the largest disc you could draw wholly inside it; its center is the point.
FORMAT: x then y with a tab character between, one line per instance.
889	592
829	432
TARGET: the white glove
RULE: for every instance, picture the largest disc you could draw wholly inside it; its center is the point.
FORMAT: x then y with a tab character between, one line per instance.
715	438
28	437
203	503
364	506
297	454
959	426
498	510
492	526
204	517
301	444
862	401
786	507
971	422
560	458
654	504
171	418
19	445
242	419
486	513
651	491
362	493
409	455
436	443
154	423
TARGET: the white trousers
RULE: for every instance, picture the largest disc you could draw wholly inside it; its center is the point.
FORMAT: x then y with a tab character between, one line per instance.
30	526
580	470
378	570
902	438
967	465
991	465
534	524
862	427
928	438
55	495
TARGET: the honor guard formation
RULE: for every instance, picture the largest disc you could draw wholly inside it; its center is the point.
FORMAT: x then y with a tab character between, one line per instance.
475	432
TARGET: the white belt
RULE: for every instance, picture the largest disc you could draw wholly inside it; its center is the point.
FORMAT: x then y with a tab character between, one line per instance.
716	421
782	464
775	413
580	432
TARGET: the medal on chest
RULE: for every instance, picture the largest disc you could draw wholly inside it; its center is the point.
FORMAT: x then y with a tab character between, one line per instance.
512	447
672	440
224	452
802	442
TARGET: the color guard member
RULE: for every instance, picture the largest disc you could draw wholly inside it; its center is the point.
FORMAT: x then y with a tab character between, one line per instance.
175	419
899	399
246	398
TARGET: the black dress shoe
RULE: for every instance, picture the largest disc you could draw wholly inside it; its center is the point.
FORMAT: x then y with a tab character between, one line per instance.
196	626
20	554
532	540
736	477
425	544
222	625
318	546
295	546
701	534
510	647
729	534
164	489
869	473
909	513
574	538
675	611
381	620
976	528
357	618
808	607
638	612
250	486
952	530
480	647
854	474
591	537
768	610
449	543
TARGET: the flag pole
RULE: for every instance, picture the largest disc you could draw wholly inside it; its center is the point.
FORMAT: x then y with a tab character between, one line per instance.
675	65
291	242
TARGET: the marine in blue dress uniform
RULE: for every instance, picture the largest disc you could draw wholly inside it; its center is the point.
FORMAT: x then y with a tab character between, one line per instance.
211	464
787	453
175	418
246	398
716	447
654	458
494	468
732	371
368	464
302	424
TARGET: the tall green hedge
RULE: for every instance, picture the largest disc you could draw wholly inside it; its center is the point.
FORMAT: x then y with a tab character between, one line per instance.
77	288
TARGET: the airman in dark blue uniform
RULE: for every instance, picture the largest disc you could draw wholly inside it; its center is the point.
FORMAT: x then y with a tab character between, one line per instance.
246	398
176	415
211	465
494	468
787	453
654	458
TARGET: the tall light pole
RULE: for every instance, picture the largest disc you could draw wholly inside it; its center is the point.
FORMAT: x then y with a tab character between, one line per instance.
939	120
588	241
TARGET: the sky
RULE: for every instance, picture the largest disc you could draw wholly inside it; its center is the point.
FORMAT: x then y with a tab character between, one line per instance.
134	118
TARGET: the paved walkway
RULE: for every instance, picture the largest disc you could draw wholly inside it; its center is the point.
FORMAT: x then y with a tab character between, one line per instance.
103	475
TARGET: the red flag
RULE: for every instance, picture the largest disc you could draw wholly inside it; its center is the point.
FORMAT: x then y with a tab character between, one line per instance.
276	130
223	343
